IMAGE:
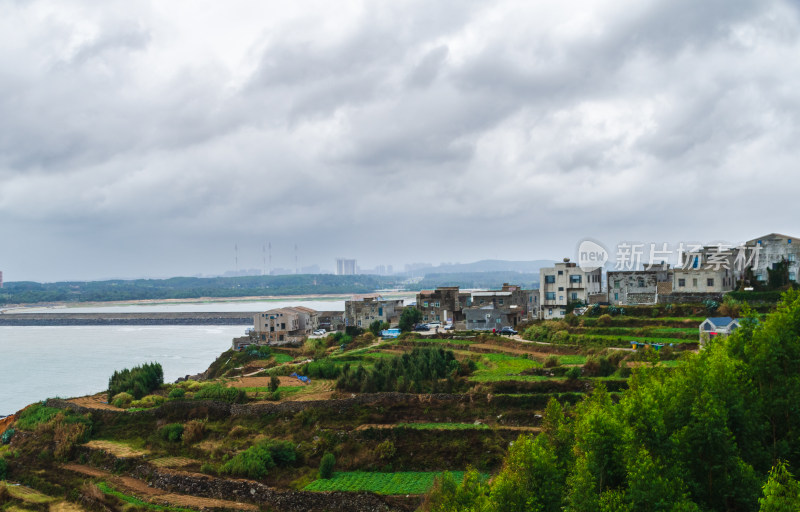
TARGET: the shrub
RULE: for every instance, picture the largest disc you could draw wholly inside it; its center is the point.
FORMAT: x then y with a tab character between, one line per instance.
324	369
7	435
193	431
190	385
221	393
386	450
561	337
573	373
551	361
3	469
599	367
122	400
274	383
177	393
537	333
32	416
604	320
149	401
326	466
67	432
171	432
138	381
256	461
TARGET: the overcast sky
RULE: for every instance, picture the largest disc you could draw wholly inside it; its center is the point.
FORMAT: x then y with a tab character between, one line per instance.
149	138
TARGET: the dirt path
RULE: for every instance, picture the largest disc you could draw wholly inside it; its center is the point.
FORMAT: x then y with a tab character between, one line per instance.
97	401
262	382
142	490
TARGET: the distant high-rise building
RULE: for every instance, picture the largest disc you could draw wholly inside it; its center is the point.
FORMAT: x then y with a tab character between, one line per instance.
345	267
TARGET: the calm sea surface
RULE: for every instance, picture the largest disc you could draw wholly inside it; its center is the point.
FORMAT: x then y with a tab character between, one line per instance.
42	362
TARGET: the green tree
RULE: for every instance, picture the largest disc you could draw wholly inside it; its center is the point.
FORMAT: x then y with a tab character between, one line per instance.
326	465
410	317
274	383
781	493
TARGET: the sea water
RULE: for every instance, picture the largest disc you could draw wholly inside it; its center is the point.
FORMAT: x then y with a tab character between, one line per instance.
37	363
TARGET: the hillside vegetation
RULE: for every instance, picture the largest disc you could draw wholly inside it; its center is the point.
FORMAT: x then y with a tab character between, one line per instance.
567	417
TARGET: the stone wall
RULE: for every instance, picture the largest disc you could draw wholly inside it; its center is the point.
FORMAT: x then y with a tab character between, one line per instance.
196	318
688	298
247	491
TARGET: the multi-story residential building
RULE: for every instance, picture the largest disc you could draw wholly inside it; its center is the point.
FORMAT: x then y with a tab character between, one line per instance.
709	270
362	311
564	284
632	287
771	250
330	320
445	304
284	325
486	318
346	267
525	303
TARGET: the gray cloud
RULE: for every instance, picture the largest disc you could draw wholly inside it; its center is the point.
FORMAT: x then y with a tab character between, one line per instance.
142	139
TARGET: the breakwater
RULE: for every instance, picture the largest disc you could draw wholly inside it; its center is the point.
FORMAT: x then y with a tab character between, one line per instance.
176	318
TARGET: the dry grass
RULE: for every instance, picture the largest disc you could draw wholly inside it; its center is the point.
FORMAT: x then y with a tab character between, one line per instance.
117	449
173	462
27	494
65	506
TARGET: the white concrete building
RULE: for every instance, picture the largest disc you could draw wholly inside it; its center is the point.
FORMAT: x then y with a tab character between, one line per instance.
563	284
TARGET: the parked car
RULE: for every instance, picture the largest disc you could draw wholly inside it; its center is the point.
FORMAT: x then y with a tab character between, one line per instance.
448	327
506	331
319	332
422	327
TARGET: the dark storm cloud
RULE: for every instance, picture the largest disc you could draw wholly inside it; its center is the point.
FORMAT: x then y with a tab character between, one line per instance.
352	128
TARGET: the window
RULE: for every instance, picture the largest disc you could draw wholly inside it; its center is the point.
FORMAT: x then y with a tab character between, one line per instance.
760	276
425	304
500	302
616	285
561	298
694	282
561	272
681	283
575	279
549	279
561	288
437	304
641	283
550	311
709	282
562	313
791	258
616	296
792	276
481	301
550	296
574	295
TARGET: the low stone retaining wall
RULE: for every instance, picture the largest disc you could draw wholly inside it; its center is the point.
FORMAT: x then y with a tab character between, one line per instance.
248	491
183	318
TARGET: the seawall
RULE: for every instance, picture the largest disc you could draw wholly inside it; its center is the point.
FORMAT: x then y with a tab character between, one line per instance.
182	318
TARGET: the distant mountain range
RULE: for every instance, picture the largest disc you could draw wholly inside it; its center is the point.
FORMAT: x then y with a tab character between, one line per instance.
525	267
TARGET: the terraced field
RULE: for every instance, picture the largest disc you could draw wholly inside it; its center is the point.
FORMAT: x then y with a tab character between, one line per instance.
408	482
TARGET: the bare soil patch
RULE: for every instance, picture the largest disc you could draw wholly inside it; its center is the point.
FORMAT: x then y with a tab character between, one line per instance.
143	491
262	382
94	402
116	449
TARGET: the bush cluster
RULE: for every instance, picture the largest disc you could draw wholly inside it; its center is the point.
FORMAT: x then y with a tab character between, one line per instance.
221	393
137	381
416	371
256	461
172	432
323	369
